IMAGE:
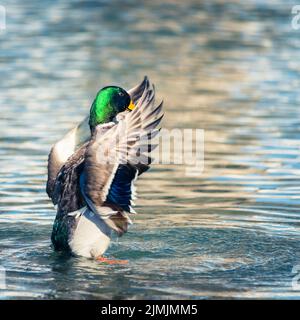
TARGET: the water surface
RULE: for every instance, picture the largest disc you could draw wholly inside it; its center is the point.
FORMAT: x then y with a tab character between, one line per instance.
231	68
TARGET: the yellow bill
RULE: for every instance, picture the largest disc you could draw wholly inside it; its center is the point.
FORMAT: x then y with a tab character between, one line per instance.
131	106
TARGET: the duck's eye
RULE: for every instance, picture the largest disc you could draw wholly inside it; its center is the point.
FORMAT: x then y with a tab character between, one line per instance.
121	94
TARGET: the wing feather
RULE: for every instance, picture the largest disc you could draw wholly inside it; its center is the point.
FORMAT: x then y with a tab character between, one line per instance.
74	139
115	159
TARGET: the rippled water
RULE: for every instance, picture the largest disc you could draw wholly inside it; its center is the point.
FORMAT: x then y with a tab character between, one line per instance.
231	68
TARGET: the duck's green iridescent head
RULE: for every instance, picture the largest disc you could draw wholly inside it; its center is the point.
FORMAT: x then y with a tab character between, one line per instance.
108	103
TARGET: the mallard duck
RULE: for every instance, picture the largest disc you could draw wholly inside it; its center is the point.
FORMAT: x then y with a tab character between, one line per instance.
91	171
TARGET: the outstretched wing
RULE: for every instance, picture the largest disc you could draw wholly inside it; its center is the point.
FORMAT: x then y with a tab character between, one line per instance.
113	160
73	140
137	91
63	150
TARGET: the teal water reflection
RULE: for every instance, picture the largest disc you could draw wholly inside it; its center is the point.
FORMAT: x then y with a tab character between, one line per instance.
228	67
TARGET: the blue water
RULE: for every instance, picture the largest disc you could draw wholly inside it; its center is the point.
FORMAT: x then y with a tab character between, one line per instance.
231	68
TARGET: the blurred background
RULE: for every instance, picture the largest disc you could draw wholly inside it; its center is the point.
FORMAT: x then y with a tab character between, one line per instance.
231	68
